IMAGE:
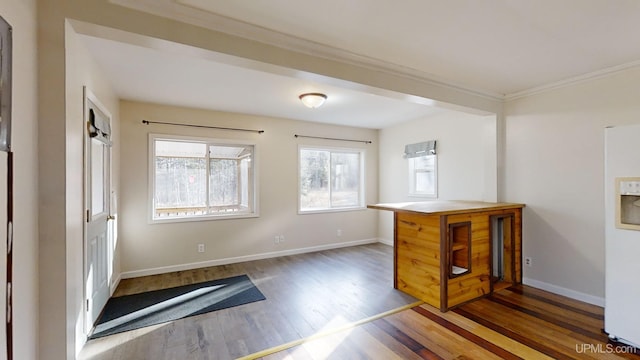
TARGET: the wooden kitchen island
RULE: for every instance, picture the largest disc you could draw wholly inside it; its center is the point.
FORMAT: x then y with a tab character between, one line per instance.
447	253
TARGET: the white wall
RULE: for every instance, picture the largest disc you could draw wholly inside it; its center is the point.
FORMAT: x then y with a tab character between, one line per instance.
82	71
65	65
554	163
59	227
152	248
21	15
467	169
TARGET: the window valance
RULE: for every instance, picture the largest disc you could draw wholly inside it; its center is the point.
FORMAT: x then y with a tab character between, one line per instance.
420	149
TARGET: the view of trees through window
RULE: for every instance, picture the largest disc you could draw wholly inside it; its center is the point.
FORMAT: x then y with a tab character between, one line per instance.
423	176
330	179
223	182
198	178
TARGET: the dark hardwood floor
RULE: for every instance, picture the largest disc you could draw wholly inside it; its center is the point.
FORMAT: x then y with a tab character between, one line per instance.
304	294
339	304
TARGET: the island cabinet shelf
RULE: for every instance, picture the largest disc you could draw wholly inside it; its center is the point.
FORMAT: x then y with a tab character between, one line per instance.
447	253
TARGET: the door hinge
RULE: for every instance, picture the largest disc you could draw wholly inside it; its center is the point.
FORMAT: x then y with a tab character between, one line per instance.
88	216
87	305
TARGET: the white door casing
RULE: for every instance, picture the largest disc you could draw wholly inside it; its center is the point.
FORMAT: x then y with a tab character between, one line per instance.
97	196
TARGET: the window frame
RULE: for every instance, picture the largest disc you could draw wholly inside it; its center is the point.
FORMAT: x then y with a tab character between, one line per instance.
151	219
362	184
412	178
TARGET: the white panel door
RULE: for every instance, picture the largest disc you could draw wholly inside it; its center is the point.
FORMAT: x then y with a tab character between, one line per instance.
98	213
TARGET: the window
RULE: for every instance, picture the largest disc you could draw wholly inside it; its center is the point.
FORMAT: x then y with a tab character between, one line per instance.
423	176
423	166
330	179
201	179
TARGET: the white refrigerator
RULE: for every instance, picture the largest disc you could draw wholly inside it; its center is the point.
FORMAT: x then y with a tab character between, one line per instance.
622	234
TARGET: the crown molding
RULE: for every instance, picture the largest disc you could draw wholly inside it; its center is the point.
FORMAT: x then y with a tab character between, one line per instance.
572	81
181	11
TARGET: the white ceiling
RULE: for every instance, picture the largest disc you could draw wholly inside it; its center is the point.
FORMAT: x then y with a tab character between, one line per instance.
150	75
500	48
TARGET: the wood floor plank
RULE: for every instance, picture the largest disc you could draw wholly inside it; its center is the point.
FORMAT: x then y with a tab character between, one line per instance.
563	319
400	342
550	338
438	339
559	300
309	294
401	348
552	305
504	342
367	346
558	311
305	293
468	335
365	342
547	338
205	339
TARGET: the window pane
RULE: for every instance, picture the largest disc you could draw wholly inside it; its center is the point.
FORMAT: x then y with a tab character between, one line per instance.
422	172
98	161
180	186
198	178
425	182
245	165
425	162
180	149
314	179
345	179
230	183
330	179
228	152
223	185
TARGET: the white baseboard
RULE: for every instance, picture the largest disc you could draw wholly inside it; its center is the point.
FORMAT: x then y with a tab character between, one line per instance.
114	284
576	295
225	261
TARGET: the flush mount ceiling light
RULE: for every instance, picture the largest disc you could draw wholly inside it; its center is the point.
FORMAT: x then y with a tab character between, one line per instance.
313	100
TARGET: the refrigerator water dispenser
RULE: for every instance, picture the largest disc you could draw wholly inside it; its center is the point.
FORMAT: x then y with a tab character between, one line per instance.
628	207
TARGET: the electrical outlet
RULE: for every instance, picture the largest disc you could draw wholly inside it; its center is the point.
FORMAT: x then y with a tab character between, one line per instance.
276	239
339	233
200	248
528	261
281	238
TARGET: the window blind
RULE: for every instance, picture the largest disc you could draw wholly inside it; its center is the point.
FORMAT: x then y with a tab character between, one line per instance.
420	149
99	126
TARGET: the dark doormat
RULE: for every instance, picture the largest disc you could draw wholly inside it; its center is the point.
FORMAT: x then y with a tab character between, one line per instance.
131	312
